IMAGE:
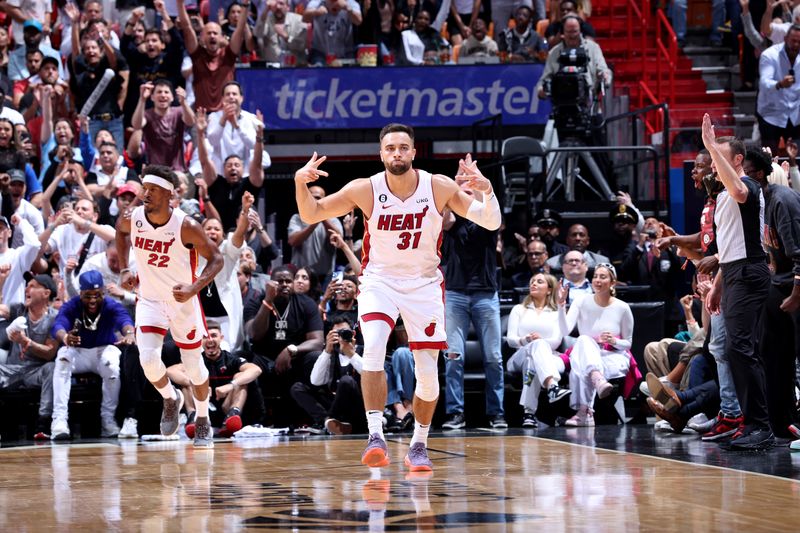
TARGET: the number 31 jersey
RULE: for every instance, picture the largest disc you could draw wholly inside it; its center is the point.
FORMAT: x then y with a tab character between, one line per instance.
162	260
402	238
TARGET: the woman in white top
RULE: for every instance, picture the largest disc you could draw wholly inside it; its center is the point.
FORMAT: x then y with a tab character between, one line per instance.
605	325
536	328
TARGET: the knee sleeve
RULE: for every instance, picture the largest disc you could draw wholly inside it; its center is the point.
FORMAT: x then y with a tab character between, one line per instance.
427	375
192	360
150	345
376	334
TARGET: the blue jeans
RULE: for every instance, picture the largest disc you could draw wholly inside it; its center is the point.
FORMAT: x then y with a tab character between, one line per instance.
114	126
719	10
483	309
399	376
728	401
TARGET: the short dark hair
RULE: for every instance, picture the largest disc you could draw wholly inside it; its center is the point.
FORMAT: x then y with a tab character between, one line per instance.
107	143
793	27
761	161
284	268
573	2
571	16
339	318
530	11
95	206
165	82
737	145
213	324
354	279
394	127
162	172
233	82
154	31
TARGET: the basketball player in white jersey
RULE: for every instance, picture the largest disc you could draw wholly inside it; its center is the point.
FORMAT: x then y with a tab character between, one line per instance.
400	276
166	243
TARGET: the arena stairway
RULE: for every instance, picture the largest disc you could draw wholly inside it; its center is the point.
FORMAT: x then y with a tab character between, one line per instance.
703	79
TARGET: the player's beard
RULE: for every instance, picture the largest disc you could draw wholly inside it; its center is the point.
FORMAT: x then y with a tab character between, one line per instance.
398	168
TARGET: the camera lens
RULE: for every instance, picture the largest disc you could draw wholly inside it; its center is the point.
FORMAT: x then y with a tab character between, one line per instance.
346	334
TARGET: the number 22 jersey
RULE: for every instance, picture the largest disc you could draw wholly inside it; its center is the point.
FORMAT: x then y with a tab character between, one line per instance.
162	260
402	237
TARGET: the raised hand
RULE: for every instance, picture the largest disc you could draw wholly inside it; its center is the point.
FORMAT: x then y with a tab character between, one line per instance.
709	137
472	177
349	222
247	202
310	171
791	149
145	90
563	294
180	92
336	239
201	120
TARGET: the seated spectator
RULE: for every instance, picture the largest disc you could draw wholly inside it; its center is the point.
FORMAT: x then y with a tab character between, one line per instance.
16	261
107	264
332	29
163	125
624	222
577	239
536	328
333	400
89	326
575	270
311	245
522	43
536	263
503	10
88	68
246	288
281	34
30	360
478	44
257	280
233	131
460	16
225	192
22	208
222	298
339	299
285	330
422	43
601	352
75	234
549	224
32	40
305	282
555	29
213	58
234	392
400	382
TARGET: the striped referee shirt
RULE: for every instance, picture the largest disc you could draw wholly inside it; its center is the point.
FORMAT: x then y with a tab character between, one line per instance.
740	225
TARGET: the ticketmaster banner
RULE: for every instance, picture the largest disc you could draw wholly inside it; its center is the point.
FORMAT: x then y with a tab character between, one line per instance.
340	98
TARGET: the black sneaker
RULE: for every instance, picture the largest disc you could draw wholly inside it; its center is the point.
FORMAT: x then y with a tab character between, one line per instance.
556	393
498	422
393	425
754	439
456	421
529	421
407	424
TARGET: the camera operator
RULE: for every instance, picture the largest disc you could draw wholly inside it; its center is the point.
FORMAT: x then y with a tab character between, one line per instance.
334	399
596	70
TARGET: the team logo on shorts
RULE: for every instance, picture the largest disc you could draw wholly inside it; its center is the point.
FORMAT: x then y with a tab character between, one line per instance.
431	329
382	198
191	334
138	223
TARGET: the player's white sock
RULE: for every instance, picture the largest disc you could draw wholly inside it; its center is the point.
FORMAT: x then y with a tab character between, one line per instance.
201	406
420	433
375	422
168	391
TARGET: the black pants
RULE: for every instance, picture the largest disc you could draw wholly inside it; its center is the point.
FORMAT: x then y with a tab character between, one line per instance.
315	401
346	405
744	291
779	345
281	409
771	135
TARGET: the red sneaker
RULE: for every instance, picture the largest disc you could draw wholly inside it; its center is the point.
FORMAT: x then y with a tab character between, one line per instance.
724	427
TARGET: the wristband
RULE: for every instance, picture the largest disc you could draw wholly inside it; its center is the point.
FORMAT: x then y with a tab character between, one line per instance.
234	382
267	305
348	237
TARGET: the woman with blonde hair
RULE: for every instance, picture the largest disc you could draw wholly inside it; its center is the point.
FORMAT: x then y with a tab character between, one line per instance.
536	328
605	325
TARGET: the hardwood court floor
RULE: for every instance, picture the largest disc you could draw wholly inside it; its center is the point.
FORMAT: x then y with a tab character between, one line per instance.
511	482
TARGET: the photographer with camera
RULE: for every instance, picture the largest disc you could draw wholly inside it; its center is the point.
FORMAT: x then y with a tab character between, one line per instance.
595	71
334	401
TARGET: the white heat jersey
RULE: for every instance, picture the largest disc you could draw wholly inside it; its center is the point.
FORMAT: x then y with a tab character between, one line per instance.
402	238
162	261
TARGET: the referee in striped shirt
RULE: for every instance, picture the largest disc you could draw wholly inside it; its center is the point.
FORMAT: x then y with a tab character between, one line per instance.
741	287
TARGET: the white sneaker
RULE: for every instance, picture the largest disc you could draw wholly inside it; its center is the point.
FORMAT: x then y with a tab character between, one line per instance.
59	429
662	425
109	428
697	422
795	445
130	429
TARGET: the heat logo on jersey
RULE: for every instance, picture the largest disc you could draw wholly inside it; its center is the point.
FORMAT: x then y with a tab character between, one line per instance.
158	248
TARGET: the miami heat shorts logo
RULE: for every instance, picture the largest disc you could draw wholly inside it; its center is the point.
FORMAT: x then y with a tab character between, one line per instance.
191	335
431	329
